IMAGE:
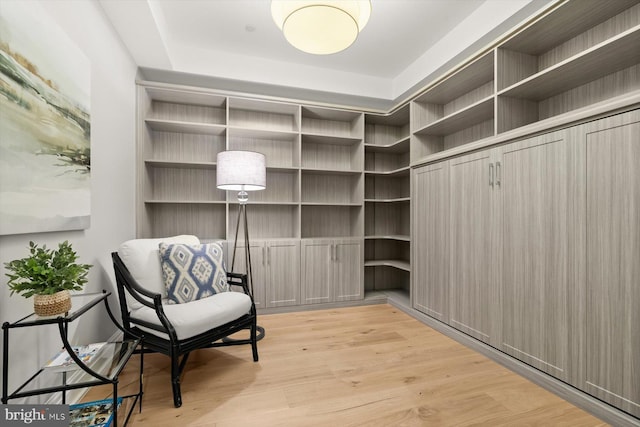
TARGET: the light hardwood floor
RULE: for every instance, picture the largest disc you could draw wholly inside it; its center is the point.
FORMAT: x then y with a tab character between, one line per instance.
359	366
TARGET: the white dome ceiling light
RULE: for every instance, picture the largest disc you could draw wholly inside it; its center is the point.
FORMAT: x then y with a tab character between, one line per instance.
321	27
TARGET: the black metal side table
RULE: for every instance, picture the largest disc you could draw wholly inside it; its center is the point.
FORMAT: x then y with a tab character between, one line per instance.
102	369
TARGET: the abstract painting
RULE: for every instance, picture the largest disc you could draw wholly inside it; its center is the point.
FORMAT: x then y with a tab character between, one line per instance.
45	124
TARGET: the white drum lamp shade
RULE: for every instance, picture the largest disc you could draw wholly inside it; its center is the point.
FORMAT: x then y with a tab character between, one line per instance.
241	171
321	27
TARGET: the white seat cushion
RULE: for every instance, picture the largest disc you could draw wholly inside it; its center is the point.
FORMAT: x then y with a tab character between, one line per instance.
142	258
195	317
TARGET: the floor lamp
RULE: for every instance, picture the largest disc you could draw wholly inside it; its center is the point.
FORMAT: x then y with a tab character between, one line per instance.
242	171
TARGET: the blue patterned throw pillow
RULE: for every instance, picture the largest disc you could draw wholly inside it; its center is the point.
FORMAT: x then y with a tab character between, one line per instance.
192	272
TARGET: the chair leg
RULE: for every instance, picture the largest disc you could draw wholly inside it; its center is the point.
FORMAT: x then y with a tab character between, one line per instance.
254	340
175	379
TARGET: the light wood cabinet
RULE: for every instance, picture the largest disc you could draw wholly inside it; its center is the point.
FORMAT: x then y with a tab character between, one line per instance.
332	270
430	214
542	228
613	262
544	259
474	301
276	271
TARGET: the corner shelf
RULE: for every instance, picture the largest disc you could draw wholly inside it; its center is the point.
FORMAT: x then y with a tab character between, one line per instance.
396	200
403	171
399	146
395	263
399	237
387	201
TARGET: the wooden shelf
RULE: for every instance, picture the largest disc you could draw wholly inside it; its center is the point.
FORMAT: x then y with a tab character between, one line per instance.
258	133
399	264
179	163
395	200
332	123
275	203
562	24
605	58
323	171
185	127
331	204
396	172
399	146
263	116
399	237
461	119
469	78
186	202
315	138
188	97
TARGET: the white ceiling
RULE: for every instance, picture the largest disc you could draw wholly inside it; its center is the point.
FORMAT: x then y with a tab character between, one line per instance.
235	45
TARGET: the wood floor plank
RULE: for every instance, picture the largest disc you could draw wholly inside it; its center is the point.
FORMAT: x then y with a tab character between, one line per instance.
357	366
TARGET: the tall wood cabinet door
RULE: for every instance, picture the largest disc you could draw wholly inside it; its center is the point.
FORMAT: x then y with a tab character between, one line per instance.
430	239
348	270
317	273
472	293
613	264
258	267
283	273
543	250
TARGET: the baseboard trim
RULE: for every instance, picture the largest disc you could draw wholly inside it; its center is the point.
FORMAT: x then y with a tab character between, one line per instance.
594	406
324	306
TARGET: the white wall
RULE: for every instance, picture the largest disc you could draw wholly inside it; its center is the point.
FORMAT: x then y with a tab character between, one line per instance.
112	187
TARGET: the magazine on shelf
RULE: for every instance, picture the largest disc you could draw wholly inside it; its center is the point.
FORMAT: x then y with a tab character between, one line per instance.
95	413
63	362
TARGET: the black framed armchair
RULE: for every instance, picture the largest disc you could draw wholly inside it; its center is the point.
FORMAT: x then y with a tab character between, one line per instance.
178	329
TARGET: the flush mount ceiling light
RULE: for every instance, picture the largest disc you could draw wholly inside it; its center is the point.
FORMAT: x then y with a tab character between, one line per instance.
321	27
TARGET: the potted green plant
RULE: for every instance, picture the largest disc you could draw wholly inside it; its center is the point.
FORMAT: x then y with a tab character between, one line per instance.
48	275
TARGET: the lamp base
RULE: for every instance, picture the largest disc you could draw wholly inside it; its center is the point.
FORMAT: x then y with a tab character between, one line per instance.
243	198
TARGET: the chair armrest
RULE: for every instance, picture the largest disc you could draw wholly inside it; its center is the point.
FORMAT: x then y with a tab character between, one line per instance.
124	278
237	279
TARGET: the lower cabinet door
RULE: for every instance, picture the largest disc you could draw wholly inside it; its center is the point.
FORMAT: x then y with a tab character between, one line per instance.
348	269
316	281
332	270
543	235
613	263
283	273
473	292
430	262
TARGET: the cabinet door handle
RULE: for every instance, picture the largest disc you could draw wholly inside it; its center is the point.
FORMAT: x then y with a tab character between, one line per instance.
498	173
268	255
335	251
491	174
263	257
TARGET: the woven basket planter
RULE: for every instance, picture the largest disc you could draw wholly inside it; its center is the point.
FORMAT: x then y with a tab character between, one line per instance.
50	305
